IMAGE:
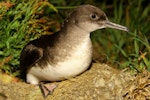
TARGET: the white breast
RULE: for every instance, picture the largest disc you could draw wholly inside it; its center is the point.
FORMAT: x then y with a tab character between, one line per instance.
78	62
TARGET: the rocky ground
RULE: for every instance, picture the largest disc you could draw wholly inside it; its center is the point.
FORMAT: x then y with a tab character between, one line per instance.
100	82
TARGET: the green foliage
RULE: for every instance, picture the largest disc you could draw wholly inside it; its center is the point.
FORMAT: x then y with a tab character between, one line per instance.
128	49
22	21
18	25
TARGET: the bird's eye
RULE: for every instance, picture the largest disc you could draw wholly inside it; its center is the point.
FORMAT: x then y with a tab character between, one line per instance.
93	16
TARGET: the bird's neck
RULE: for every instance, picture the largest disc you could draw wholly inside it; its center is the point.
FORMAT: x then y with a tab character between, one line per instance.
72	37
71	40
73	33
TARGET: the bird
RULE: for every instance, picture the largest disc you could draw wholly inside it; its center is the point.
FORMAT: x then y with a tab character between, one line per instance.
67	53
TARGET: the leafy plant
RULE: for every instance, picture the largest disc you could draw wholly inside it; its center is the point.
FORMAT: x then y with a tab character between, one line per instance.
128	49
22	21
19	24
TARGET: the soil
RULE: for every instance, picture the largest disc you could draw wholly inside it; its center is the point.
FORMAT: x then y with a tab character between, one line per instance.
100	82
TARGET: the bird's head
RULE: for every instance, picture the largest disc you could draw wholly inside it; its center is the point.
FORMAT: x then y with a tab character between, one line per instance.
91	18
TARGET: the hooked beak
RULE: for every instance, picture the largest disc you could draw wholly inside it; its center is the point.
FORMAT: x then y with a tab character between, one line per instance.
109	24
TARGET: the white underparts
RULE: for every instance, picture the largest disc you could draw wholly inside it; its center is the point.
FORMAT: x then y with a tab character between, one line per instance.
75	64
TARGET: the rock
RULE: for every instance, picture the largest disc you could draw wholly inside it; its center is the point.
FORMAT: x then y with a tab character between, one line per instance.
100	82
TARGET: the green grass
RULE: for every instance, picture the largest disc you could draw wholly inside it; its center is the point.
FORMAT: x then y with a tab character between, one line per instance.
26	20
128	49
20	24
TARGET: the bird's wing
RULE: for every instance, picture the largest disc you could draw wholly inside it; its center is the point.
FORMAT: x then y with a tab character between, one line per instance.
30	55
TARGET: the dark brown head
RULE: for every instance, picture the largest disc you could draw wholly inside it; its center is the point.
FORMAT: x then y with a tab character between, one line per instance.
91	18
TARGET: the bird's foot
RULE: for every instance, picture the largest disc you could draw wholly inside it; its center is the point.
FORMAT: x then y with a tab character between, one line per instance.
47	89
